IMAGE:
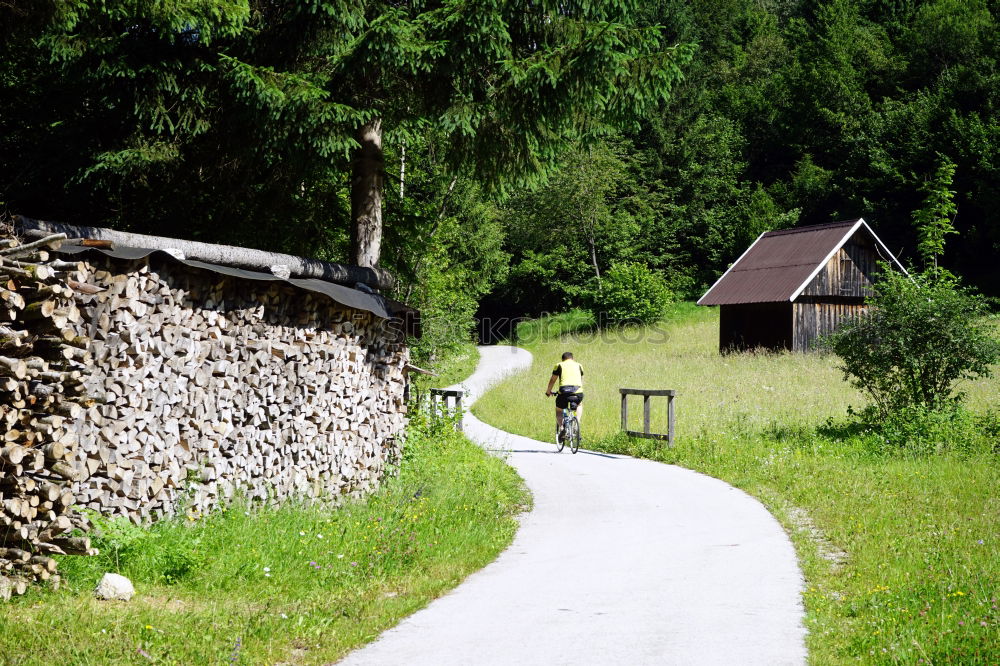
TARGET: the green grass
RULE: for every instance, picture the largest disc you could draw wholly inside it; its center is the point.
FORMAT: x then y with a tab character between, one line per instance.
901	553
300	584
451	369
553	327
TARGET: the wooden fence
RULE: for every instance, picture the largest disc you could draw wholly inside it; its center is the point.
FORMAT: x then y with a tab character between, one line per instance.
440	403
646	394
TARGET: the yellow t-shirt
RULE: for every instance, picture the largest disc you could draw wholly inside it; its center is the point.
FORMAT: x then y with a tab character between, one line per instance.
569	372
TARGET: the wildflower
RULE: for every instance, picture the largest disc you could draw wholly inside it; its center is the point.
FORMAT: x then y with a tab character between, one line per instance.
980	542
284	617
319	536
144	654
340	557
354	564
302	533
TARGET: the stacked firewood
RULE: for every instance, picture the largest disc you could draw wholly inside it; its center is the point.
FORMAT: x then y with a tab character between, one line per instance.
43	361
141	388
210	386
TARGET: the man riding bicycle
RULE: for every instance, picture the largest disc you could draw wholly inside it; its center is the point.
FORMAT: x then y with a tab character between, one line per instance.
569	374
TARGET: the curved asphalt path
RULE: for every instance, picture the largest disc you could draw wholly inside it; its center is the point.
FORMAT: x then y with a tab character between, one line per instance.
621	561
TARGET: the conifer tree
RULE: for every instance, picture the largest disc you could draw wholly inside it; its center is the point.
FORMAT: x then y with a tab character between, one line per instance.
219	110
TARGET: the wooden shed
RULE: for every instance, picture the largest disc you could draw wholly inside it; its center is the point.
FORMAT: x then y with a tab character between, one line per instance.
792	286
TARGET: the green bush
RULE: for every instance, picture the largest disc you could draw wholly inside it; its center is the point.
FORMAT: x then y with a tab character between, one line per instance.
920	431
922	334
629	293
117	540
166	552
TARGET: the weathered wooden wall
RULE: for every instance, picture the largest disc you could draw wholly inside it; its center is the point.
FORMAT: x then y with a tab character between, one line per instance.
849	273
776	326
755	325
836	293
814	317
209	386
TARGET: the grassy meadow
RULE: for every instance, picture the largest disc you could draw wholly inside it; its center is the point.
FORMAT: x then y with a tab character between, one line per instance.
302	584
901	552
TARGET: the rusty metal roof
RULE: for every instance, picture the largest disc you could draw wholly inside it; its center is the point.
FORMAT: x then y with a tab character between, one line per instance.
779	264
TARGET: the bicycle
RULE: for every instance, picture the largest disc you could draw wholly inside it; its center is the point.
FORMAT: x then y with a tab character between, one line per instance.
571	428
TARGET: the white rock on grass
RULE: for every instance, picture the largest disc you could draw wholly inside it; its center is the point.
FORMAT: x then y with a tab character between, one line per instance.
114	587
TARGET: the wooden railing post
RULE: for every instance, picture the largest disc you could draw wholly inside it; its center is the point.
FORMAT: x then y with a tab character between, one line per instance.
624	411
670	420
645	414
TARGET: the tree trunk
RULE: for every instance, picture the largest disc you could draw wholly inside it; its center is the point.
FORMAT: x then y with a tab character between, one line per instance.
592	242
239	257
402	172
366	195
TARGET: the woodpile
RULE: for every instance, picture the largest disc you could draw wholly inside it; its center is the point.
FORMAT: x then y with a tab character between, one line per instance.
43	361
143	388
209	386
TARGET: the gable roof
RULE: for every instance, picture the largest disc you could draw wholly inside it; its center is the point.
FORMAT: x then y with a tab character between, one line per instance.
780	264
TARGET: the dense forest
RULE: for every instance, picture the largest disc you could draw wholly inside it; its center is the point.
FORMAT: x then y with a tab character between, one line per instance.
527	151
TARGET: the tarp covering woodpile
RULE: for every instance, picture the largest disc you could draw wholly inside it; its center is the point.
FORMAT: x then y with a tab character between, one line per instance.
376	304
352	286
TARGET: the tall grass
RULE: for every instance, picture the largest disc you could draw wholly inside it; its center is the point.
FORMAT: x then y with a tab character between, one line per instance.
901	552
299	584
716	392
553	326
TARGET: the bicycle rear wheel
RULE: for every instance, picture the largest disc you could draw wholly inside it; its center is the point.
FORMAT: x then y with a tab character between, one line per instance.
560	440
573	434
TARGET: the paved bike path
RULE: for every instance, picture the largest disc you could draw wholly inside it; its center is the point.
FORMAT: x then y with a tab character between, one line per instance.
620	561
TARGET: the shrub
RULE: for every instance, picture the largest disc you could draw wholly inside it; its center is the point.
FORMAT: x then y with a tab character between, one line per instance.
629	293
921	335
919	431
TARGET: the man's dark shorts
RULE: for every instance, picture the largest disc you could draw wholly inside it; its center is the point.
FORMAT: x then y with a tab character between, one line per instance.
568	394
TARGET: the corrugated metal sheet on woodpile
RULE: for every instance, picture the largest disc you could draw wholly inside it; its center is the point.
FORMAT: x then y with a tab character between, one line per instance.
378	305
777	265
